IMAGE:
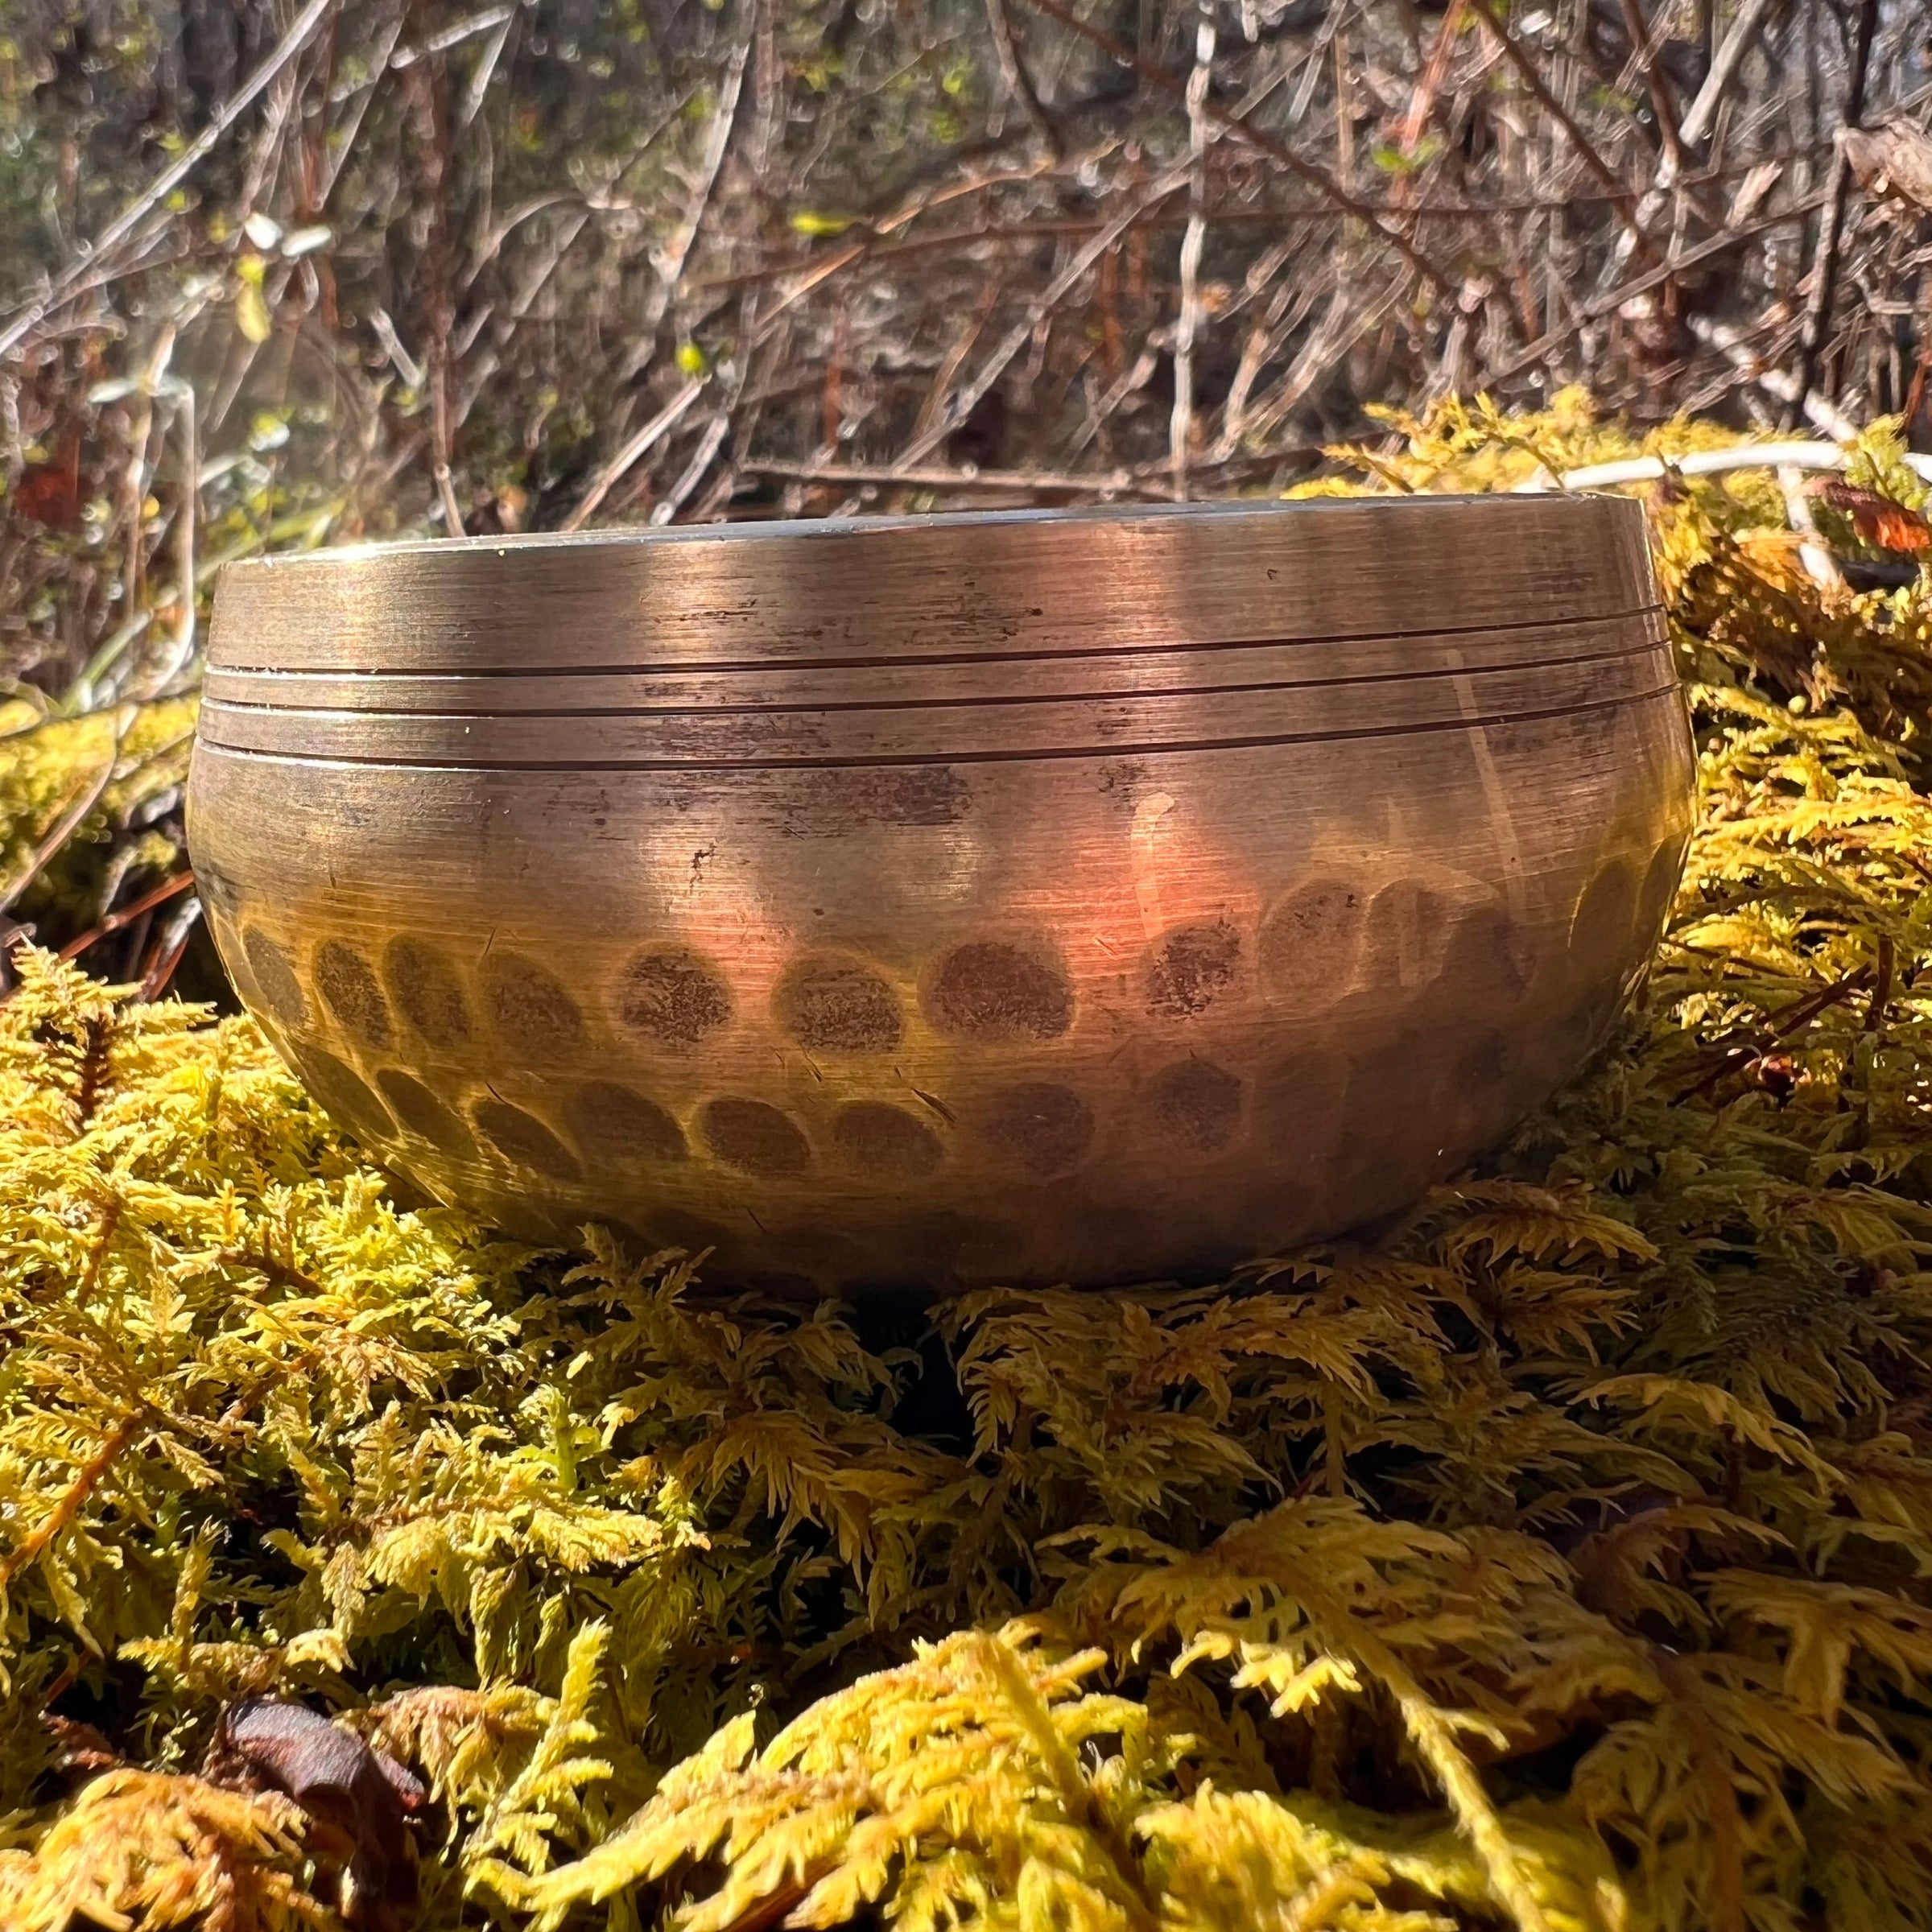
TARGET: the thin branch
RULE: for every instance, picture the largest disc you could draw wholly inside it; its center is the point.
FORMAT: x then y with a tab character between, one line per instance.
1012	75
1318	177
1037	311
179	882
1698	119
626	459
83	800
30	1548
1644	50
670	265
1711	463
1819	411
1428	84
1824	273
1612	300
708	445
1618	192
1701	116
1180	429
1812	551
92	255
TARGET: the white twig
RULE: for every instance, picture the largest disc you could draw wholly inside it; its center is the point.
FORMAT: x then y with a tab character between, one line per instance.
1180	428
405	364
928	439
486	67
708	444
1021	333
1699	117
187	516
1818	411
1795	457
1820	563
342	142
1702	114
453	36
626	459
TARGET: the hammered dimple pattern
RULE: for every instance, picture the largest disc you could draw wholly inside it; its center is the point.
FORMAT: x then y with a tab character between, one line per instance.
1114	1013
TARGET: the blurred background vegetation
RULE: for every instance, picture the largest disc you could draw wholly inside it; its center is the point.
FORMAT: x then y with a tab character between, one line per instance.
288	272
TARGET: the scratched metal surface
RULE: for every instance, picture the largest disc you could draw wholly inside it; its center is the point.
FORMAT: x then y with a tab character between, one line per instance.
1063	896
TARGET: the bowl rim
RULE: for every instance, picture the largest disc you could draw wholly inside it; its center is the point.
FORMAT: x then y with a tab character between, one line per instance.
830	529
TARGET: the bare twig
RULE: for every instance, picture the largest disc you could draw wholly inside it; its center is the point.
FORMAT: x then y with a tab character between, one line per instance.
1180	430
169	947
486	66
1012	75
84	797
1345	322
92	257
1422	98
1701	116
1818	410
1614	300
1820	566
1711	463
453	35
670	263
1824	273
1318	177
626	459
1618	192
1643	47
1698	119
337	150
1010	345
178	882
693	474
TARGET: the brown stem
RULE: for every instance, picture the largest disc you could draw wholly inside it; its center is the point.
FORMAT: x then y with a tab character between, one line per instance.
1318	177
1621	198
1708	1755
1881	990
1824	285
1780	1025
1643	45
166	890
1012	74
30	1550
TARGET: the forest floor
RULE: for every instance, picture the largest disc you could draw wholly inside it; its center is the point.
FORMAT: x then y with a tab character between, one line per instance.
1557	1559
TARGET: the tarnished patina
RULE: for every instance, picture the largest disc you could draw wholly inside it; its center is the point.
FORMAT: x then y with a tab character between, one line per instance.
1077	896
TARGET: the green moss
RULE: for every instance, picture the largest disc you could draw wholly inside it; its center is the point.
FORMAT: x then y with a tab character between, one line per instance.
1557	1560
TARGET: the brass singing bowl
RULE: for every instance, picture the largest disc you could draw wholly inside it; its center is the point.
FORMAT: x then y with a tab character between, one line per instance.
1063	896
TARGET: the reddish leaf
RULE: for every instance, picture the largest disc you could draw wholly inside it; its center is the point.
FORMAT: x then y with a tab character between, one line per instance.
49	492
1879	521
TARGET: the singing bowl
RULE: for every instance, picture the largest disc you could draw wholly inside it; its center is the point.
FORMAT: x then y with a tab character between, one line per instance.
1070	897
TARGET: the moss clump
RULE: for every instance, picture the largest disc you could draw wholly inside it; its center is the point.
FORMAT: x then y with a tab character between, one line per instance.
77	797
1558	1560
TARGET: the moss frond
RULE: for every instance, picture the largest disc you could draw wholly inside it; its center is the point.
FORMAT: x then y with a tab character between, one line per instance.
1557	1559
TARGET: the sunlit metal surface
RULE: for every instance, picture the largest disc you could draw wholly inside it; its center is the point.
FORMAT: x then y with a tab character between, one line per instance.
1078	896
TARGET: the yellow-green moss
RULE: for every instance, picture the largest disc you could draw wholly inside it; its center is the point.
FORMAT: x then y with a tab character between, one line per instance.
1559	1560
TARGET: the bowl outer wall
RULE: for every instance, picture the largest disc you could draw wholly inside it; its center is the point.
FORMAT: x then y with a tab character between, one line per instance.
1093	1010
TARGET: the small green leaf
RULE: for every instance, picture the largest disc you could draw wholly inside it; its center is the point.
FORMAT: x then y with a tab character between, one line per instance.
809	221
251	313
